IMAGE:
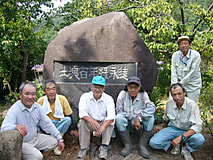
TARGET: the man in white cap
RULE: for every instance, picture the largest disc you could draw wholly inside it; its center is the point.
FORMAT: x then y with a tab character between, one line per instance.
97	115
186	68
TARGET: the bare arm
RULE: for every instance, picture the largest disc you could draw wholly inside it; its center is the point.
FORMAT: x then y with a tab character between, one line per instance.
178	140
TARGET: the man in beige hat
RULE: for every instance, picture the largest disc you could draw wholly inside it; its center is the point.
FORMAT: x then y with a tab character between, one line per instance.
186	68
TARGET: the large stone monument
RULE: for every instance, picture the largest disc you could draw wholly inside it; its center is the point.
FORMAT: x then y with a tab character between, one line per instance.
107	45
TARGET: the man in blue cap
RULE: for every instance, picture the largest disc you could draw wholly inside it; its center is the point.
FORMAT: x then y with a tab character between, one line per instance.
97	115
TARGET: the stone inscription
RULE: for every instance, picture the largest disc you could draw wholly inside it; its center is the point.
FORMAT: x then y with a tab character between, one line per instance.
80	72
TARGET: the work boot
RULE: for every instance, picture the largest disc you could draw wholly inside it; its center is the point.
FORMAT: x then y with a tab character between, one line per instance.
57	152
142	145
127	143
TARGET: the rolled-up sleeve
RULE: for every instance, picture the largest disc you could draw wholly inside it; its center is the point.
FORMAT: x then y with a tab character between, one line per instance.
110	109
195	119
83	109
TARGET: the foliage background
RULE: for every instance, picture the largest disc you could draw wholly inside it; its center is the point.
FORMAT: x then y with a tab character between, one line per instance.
26	31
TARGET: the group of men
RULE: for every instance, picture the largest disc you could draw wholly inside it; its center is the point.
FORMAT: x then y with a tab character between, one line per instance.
133	112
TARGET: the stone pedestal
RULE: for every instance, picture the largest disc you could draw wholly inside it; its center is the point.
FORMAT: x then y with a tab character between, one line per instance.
10	145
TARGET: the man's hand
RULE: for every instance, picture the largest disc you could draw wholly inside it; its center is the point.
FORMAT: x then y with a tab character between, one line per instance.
94	124
137	123
99	131
22	129
176	141
61	146
158	129
74	133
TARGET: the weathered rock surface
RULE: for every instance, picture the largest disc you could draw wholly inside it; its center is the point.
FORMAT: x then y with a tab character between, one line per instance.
10	145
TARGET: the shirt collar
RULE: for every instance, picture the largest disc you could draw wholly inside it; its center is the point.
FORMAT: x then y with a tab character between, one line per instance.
183	106
23	107
91	97
137	97
187	55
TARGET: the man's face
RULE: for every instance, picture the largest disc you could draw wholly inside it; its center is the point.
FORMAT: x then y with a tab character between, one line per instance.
184	46
178	95
50	91
28	95
133	89
97	90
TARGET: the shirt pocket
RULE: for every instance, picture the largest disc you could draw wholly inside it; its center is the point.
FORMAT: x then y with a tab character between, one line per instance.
171	117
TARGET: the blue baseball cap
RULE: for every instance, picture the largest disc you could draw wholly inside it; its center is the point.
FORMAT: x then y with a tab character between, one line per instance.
99	80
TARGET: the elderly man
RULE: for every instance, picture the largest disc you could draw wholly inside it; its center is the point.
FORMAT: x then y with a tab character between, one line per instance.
97	114
182	124
24	116
135	112
57	109
186	68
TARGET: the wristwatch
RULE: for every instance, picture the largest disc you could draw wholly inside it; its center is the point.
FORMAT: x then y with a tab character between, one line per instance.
183	137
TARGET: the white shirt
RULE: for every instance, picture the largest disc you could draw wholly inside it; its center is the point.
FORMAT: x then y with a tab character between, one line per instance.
100	110
186	70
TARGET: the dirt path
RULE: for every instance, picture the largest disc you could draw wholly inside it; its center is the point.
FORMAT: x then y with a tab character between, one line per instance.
72	147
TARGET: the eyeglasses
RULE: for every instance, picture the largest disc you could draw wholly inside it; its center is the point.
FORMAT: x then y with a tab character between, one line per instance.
98	87
133	87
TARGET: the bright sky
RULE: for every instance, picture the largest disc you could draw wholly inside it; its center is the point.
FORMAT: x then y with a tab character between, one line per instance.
60	2
57	3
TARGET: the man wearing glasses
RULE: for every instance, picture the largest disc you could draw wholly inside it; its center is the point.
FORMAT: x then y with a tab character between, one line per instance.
135	113
186	68
97	115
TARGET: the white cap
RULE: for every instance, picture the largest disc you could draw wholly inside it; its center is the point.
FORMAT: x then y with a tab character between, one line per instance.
182	38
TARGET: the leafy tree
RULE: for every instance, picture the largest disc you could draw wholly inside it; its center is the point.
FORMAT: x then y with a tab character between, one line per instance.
20	46
159	23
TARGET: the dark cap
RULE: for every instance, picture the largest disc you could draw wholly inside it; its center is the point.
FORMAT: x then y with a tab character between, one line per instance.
134	79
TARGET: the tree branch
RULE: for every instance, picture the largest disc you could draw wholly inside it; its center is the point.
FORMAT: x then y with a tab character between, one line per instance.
182	13
201	19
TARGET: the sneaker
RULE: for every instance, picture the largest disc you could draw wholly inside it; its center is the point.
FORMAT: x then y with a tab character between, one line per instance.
103	152
57	152
82	153
175	150
186	153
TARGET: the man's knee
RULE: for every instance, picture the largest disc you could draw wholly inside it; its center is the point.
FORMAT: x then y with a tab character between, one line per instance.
67	120
35	154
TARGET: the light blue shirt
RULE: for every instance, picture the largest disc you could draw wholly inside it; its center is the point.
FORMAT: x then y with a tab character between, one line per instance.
186	70
19	114
141	106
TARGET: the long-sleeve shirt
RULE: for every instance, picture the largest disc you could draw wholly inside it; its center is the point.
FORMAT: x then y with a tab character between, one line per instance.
141	106
100	110
19	114
186	70
187	117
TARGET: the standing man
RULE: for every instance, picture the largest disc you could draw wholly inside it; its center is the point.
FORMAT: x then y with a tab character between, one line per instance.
135	112
97	115
24	116
186	68
182	124
57	108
